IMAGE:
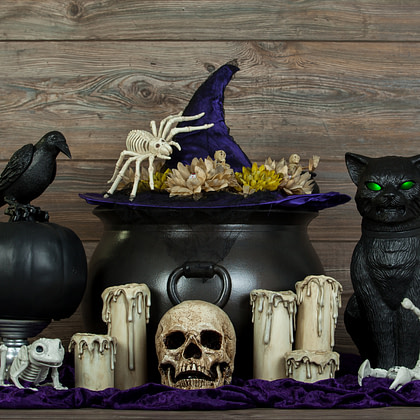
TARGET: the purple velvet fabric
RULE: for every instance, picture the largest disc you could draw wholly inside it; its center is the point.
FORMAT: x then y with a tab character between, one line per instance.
342	392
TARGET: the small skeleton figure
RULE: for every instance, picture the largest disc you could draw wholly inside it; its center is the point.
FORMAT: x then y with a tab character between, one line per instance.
220	158
143	145
33	363
220	161
293	164
401	375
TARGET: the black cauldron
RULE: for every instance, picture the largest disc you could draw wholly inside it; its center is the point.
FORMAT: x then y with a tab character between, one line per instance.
217	255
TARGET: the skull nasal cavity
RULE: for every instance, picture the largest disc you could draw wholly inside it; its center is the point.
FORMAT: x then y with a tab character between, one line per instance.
192	351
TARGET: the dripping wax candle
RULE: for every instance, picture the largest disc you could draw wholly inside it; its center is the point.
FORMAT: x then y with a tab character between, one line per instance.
273	316
126	311
318	298
94	360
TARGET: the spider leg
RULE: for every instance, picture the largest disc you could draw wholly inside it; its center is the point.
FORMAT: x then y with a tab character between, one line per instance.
153	127
117	167
164	122
123	154
139	159
151	172
179	118
176	130
121	173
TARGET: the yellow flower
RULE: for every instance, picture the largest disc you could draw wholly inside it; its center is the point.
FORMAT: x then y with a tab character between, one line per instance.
159	180
257	178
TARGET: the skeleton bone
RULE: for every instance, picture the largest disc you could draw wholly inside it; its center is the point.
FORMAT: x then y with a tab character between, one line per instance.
401	375
33	363
142	145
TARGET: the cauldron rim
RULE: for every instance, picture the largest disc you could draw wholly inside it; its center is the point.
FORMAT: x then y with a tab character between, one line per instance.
118	215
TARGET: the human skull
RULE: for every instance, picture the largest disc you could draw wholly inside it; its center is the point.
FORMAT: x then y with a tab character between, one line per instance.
195	345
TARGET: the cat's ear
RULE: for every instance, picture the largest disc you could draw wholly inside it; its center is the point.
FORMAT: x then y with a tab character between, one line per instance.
416	161
356	164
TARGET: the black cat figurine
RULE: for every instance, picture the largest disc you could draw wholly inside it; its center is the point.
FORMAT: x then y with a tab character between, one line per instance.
385	266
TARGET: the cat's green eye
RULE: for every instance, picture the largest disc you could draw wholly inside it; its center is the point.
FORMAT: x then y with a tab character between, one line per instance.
373	186
407	185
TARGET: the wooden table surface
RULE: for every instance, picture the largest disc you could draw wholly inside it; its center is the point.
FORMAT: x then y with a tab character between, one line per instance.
400	413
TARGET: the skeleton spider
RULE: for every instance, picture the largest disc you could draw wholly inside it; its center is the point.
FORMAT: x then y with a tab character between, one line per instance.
143	145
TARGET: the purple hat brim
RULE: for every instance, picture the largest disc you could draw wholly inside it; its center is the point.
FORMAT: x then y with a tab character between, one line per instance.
222	200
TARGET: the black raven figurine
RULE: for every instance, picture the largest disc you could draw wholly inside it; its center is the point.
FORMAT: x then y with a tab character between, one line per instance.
30	170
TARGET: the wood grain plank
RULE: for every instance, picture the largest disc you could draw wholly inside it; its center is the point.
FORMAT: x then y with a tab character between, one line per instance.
288	96
209	20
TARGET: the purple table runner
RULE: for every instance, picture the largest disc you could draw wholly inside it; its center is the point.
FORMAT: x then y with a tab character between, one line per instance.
342	392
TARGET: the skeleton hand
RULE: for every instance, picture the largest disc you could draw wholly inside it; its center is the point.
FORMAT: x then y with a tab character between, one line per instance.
404	375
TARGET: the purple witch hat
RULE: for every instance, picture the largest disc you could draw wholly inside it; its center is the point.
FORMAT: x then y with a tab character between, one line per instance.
209	98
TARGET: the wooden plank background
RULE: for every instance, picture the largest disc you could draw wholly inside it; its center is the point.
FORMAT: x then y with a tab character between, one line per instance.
316	77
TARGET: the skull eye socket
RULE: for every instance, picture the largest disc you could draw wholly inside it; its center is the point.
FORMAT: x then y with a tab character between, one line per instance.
174	340
211	339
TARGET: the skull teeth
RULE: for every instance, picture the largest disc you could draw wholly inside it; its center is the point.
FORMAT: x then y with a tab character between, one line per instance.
192	367
195	384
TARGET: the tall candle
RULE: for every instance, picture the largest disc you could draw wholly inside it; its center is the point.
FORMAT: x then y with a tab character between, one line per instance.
318	298
273	316
126	311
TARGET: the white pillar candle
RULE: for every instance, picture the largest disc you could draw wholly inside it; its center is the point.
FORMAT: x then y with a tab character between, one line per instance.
94	360
311	366
318	299
273	316
126	311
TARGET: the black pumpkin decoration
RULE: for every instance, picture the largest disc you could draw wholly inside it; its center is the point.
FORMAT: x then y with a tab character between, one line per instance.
43	271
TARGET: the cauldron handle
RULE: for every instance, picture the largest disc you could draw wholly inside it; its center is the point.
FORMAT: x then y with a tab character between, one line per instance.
202	270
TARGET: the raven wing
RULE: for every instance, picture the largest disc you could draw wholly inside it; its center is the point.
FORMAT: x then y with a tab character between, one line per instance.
16	166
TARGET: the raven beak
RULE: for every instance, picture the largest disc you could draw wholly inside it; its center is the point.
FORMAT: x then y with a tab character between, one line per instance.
65	149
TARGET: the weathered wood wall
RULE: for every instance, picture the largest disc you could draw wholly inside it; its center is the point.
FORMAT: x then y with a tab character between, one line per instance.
317	77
